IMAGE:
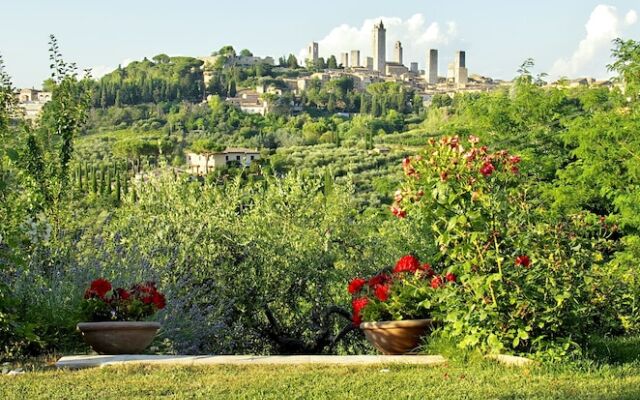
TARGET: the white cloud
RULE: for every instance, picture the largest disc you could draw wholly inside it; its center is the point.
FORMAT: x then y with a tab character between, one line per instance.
416	34
98	71
592	54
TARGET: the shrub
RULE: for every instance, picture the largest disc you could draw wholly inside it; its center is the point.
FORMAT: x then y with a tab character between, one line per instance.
525	278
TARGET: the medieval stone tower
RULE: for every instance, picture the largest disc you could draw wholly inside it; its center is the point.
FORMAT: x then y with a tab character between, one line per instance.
379	47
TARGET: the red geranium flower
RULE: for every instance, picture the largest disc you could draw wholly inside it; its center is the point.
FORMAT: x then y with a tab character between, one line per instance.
523	261
100	287
487	169
407	263
382	292
358	305
436	282
159	300
355	285
450	277
379	279
428	271
123	293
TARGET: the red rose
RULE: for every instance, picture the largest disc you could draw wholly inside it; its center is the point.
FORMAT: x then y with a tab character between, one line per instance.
380	279
159	300
356	319
382	292
514	159
523	261
355	285
400	213
100	287
123	293
450	277
407	263
487	168
436	282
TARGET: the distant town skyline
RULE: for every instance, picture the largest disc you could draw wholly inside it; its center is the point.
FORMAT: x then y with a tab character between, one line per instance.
568	38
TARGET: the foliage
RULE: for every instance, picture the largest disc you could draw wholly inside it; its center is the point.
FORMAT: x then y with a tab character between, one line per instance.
526	280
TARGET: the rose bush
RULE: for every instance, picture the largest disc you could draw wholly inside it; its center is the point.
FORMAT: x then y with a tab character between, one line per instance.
102	302
525	279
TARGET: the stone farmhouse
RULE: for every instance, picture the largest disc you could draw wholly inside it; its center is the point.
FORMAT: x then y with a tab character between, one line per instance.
202	164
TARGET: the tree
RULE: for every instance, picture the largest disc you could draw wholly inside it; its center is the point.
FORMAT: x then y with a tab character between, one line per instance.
627	63
245	53
292	61
332	63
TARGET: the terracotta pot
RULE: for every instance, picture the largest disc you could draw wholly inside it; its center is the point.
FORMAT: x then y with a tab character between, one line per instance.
118	337
397	337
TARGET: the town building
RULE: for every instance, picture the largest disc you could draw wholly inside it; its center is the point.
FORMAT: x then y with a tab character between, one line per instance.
379	47
398	53
32	101
313	53
202	164
431	69
250	102
344	60
355	58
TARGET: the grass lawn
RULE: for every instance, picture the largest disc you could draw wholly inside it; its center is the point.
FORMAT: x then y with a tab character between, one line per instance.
483	380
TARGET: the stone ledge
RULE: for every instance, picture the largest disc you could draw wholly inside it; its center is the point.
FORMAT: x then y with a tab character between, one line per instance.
89	361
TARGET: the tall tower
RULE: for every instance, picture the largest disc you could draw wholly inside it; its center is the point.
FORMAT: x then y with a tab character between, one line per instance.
312	52
431	70
344	60
398	53
355	58
379	47
460	68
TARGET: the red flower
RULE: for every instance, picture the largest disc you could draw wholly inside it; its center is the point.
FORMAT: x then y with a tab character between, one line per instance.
514	170
159	300
355	285
398	212
382	292
358	305
100	287
450	277
436	282
523	261
487	168
428	271
407	263
514	159
443	176
406	162
88	294
379	279
123	293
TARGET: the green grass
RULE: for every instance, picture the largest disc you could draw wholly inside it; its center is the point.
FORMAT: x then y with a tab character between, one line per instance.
485	380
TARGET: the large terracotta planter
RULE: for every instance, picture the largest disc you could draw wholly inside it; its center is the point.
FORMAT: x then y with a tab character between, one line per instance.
397	337
118	337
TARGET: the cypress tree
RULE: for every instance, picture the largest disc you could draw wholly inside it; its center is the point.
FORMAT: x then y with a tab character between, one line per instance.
94	181
108	182
118	193
80	173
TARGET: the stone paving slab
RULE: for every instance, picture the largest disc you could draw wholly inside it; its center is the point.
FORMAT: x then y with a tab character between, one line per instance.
88	361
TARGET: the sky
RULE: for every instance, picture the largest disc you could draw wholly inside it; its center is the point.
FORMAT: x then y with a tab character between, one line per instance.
565	37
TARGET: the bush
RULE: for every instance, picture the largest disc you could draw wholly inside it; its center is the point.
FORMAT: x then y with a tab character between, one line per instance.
526	279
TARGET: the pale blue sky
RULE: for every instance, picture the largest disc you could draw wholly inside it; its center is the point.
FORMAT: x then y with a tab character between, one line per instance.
497	34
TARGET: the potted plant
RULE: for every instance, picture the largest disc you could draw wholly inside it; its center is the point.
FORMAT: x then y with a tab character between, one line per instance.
394	310
116	317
